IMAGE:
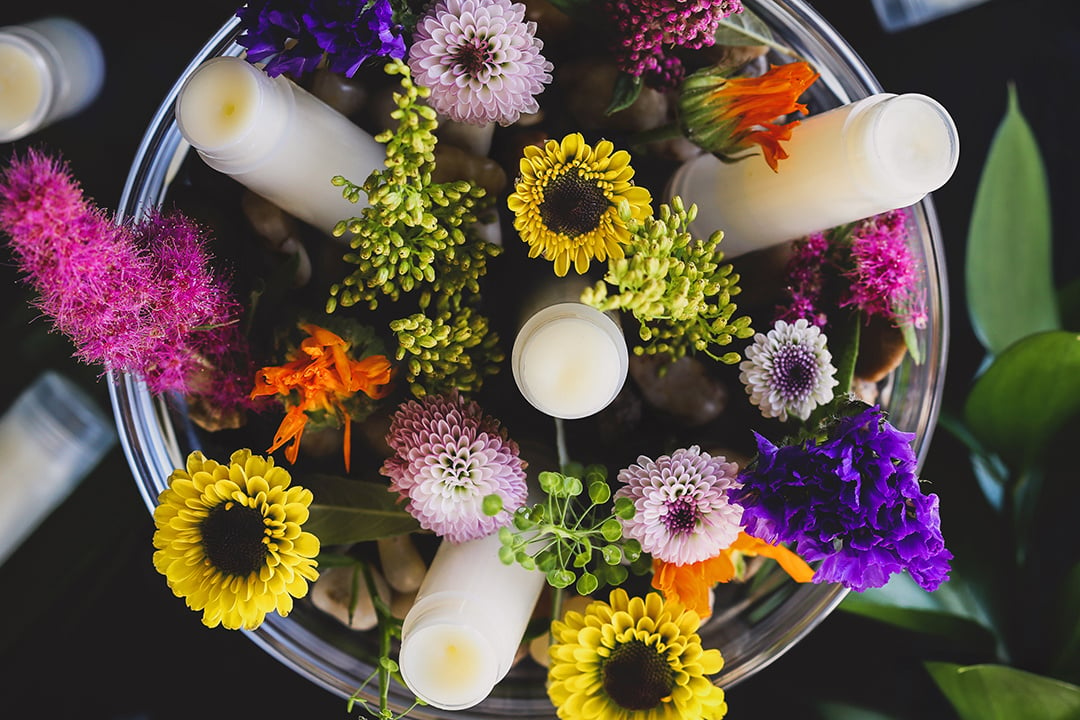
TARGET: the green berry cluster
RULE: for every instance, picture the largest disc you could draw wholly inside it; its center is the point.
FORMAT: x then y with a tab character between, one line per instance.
572	541
446	347
676	287
412	229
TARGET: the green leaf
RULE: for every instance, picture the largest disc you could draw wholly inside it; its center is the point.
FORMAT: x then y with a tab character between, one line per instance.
844	711
746	28
1009	276
626	91
952	611
348	511
1027	393
999	692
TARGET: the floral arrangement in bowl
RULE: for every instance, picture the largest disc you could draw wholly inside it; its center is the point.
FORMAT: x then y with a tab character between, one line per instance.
346	431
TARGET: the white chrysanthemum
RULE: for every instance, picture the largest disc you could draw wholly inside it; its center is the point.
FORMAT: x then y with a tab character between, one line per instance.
681	509
789	371
480	59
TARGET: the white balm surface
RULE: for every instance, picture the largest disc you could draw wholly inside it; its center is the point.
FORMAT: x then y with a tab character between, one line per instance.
21	86
219	104
449	666
571	364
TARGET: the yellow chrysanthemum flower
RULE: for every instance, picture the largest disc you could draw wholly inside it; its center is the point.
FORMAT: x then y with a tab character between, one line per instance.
633	659
566	201
229	541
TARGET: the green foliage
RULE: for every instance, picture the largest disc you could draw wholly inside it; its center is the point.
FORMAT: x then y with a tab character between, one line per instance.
574	536
676	287
1010	290
346	511
997	692
412	230
447	347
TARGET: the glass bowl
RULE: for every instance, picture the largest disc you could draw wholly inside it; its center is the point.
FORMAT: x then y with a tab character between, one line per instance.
752	632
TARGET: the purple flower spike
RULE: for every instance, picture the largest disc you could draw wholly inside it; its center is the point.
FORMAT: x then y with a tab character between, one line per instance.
449	455
851	501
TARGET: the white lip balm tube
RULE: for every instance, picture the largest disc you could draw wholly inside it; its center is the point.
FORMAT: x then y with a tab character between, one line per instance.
877	154
275	138
570	360
50	69
459	638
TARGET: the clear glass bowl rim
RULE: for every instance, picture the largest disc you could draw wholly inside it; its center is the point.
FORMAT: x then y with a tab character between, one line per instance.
151	442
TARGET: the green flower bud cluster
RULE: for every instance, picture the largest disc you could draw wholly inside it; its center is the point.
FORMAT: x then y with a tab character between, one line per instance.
574	542
675	286
412	230
448	346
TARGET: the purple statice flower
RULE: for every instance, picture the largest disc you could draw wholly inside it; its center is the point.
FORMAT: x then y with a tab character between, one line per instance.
850	499
681	503
131	298
805	281
789	370
648	32
448	456
294	37
883	275
480	59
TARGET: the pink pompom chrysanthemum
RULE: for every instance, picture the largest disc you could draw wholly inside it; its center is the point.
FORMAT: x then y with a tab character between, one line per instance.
448	456
480	60
682	514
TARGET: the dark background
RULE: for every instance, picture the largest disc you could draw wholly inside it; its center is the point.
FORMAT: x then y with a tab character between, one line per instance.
88	628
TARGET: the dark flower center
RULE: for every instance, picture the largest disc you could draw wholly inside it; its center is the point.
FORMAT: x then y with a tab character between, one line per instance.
795	371
681	516
636	677
232	537
472	56
572	205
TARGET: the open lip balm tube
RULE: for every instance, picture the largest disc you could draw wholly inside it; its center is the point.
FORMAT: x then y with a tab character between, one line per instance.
50	69
570	360
471	611
877	154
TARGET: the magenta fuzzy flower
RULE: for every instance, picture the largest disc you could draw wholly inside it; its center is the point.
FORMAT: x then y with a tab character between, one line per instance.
884	276
648	32
480	59
681	510
448	456
806	281
131	298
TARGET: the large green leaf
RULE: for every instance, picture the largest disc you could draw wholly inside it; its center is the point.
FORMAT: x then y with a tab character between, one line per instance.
999	692
1010	290
1016	406
348	511
953	611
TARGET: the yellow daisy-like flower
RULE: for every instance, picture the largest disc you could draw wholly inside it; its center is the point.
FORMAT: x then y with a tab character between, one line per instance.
633	659
566	201
229	541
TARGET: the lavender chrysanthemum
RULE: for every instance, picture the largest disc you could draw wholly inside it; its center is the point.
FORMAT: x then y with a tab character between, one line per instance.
647	34
851	500
480	59
448	456
295	37
681	502
139	298
789	370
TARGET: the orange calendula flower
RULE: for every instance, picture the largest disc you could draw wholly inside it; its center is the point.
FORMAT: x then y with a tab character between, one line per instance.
689	584
320	377
729	115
